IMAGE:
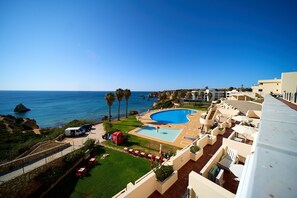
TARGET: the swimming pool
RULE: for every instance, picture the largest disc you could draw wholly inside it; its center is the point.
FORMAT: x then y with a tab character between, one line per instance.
163	133
177	116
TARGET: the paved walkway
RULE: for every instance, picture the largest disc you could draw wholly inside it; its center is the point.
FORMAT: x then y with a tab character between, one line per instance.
76	142
291	105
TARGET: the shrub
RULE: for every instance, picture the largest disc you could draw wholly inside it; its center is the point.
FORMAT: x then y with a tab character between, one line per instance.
214	125
133	112
194	149
108	127
104	118
89	144
74	156
166	104
163	172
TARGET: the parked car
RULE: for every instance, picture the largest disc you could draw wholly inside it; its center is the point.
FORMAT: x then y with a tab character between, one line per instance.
87	127
73	131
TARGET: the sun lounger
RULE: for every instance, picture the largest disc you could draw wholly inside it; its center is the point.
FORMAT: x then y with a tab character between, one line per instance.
189	138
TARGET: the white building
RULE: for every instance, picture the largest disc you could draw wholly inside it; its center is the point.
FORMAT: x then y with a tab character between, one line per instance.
267	86
286	86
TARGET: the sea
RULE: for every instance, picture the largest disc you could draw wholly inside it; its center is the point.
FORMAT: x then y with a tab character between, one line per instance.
55	108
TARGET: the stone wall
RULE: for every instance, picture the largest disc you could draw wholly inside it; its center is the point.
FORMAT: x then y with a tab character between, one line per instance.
23	185
18	163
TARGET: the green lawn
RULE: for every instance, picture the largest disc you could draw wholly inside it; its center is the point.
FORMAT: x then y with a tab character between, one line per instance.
126	124
112	175
195	107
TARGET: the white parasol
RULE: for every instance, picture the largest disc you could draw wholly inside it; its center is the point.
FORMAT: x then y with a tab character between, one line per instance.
242	119
245	130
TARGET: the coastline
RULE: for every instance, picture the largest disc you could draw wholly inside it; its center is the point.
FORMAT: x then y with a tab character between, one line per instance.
56	108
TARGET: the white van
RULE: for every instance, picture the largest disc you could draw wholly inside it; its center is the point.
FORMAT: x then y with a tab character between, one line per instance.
73	131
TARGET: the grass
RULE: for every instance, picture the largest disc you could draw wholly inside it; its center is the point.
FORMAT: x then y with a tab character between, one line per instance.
200	108
135	142
126	124
110	176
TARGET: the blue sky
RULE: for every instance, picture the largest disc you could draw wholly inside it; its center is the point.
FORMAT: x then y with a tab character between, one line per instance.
144	45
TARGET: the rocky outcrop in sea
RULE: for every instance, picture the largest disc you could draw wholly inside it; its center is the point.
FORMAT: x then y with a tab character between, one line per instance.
20	108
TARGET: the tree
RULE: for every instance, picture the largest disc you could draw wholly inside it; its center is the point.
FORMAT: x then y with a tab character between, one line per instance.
174	95
196	96
183	93
209	96
127	94
201	95
189	95
109	97
119	93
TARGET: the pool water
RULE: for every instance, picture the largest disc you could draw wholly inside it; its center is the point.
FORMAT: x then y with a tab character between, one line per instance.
162	133
177	116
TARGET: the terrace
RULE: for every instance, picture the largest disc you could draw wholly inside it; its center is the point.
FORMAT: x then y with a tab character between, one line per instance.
179	188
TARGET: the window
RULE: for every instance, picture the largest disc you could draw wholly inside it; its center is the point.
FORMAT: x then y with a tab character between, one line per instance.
260	90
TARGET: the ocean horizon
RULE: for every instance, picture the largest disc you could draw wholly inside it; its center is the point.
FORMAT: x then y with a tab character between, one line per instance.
55	108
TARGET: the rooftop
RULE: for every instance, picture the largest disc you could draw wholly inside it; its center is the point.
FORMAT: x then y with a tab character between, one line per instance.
244	106
274	160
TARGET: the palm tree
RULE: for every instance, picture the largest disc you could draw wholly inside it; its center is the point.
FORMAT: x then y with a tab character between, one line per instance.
127	94
119	93
109	97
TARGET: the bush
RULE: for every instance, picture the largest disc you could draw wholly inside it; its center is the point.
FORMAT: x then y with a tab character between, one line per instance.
104	118
194	149
163	105
163	172
74	156
108	127
214	125
89	144
133	112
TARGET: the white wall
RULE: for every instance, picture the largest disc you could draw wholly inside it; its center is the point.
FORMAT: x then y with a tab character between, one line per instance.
204	188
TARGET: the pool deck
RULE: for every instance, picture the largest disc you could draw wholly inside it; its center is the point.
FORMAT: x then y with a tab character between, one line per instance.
190	129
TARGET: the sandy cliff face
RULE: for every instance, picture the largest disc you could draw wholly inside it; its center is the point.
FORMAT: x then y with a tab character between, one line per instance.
12	124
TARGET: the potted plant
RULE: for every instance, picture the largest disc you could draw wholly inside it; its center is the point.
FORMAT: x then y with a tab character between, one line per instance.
222	130
166	176
196	152
212	139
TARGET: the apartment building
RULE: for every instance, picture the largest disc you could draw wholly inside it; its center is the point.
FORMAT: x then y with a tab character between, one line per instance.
286	86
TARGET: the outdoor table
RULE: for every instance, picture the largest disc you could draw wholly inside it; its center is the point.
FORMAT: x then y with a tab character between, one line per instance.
142	154
136	152
92	161
81	171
